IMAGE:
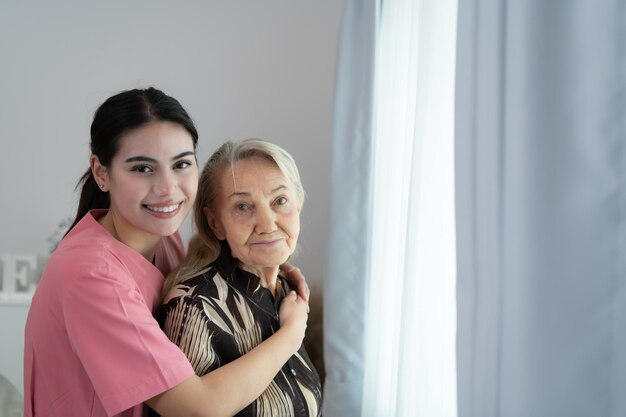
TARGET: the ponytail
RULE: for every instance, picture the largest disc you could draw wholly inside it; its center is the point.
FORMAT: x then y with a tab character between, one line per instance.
91	197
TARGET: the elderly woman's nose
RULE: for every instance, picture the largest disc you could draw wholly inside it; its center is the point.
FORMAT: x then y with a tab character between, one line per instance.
265	220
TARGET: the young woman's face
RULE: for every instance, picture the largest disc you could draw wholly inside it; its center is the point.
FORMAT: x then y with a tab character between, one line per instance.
152	181
258	213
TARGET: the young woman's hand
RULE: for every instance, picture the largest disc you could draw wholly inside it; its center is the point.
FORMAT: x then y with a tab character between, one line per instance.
296	279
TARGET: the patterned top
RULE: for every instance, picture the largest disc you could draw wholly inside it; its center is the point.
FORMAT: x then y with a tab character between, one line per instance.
222	314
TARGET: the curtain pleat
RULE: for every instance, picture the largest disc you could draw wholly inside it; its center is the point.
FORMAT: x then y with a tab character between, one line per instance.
349	249
540	184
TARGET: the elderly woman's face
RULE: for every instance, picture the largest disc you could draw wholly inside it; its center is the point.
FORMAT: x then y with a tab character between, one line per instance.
258	213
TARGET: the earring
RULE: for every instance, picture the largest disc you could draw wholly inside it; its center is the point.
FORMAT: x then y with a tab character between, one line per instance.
101	186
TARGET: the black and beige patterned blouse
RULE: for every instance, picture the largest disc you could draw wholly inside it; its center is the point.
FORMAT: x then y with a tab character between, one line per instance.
225	313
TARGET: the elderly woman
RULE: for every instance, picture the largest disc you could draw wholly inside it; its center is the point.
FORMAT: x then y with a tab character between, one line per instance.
224	299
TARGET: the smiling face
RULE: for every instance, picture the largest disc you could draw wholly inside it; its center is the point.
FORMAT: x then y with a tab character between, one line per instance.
257	211
152	182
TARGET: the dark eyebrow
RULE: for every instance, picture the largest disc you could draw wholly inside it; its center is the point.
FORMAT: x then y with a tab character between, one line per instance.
154	161
183	154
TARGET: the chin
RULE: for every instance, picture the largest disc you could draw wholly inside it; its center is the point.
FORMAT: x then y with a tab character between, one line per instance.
278	262
166	231
169	234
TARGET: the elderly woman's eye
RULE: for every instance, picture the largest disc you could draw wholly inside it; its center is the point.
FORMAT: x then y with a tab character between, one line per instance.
241	207
281	201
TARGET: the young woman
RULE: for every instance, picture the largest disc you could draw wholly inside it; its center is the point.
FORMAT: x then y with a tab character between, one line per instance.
222	301
92	346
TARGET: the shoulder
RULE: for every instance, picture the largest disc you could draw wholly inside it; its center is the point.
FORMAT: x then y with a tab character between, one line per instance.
88	261
87	241
86	252
179	292
197	286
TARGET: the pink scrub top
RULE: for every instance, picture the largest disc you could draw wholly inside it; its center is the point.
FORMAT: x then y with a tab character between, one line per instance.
92	346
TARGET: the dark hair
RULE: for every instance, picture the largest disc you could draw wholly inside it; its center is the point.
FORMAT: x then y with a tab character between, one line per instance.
118	115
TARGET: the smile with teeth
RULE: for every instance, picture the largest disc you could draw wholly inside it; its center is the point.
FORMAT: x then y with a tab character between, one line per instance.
164	209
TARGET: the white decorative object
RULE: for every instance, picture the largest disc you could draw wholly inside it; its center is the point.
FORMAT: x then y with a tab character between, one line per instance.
19	274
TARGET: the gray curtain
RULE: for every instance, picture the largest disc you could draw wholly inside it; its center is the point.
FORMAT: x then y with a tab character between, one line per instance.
344	289
541	208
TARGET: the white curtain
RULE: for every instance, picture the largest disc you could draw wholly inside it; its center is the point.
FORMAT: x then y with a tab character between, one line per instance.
389	295
541	208
351	196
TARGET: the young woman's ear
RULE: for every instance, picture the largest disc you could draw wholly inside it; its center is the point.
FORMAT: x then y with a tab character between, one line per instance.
99	172
214	223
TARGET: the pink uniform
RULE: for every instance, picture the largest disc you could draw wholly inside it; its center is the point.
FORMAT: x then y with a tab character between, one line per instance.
92	346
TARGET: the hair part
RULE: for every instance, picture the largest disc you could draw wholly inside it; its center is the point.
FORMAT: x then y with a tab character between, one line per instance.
204	246
118	115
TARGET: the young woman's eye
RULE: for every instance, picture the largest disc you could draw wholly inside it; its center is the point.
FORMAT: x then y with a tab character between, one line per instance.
182	164
144	169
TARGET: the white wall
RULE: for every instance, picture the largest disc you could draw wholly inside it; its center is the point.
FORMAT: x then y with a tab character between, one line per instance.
241	69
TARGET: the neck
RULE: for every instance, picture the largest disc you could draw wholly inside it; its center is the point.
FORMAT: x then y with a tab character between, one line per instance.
267	275
141	242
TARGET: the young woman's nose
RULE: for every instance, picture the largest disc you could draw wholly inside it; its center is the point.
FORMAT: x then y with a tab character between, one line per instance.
265	220
164	183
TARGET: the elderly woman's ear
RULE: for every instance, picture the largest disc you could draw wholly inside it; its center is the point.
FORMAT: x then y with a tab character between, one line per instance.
214	223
